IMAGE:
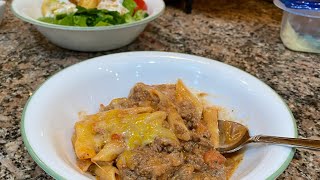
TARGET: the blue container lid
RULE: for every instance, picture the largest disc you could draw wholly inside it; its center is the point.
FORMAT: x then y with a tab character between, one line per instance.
298	4
309	8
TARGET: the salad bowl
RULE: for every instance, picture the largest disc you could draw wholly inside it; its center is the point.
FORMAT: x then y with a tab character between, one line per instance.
77	38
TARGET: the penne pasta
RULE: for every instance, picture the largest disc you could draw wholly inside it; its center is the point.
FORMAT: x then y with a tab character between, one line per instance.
156	118
210	117
158	132
180	129
138	110
109	152
107	173
84	164
174	119
202	129
125	160
84	140
188	104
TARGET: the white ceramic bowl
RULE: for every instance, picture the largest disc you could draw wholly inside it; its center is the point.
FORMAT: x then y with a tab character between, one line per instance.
50	114
86	38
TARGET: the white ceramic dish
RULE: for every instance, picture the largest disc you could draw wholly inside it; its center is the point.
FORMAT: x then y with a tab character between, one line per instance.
2	9
86	38
50	114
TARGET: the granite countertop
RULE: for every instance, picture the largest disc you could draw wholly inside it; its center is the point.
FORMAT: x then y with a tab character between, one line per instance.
242	33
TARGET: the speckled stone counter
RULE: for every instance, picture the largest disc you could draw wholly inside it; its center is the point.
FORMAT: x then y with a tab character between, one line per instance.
245	36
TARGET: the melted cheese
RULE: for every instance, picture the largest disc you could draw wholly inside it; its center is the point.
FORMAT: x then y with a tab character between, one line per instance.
136	129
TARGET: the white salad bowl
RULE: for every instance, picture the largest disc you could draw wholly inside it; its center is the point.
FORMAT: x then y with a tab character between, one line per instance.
50	114
86	38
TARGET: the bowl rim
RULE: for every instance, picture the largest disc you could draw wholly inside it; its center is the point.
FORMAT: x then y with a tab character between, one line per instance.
78	28
56	175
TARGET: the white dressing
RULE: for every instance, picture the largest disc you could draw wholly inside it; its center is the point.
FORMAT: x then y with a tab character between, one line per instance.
113	5
51	8
66	8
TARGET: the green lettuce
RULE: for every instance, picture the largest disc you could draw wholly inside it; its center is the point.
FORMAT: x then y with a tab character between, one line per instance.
95	17
130	5
140	14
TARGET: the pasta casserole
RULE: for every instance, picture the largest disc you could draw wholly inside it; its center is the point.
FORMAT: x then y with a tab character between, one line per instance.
157	132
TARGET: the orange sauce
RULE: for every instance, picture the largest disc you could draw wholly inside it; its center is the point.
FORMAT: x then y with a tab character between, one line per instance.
233	161
232	134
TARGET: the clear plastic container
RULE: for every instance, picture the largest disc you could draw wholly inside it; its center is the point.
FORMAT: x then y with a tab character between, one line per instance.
300	29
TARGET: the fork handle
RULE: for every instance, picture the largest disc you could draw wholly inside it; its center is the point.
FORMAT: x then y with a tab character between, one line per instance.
291	142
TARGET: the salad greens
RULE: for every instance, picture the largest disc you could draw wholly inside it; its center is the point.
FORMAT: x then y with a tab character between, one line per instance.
94	17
